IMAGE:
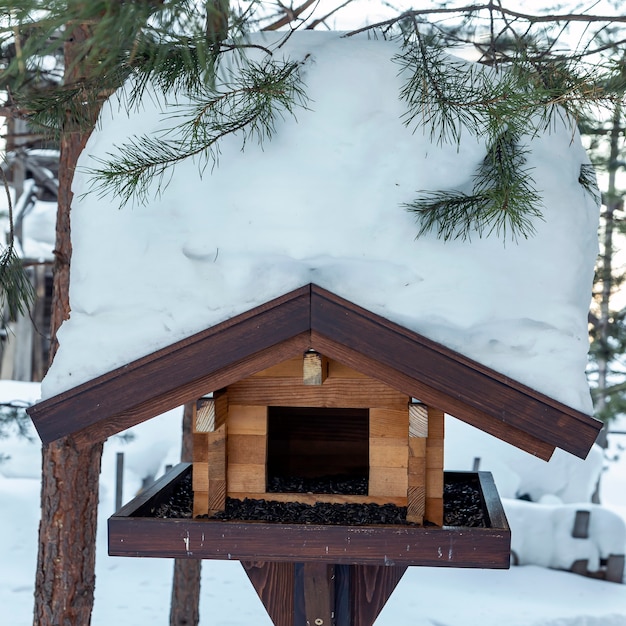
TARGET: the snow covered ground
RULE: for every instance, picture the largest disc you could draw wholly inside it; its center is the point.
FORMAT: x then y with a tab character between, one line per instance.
133	592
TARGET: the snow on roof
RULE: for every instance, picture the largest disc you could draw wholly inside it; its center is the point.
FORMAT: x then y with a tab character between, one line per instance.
321	202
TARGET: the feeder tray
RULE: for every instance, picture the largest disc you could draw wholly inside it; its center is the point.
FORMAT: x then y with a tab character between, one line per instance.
135	531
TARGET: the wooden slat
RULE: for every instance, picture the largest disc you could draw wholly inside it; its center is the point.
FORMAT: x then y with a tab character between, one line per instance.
337	369
435	424
217	453
334	393
200	480
291	368
200	503
370	545
217	496
220	400
417	471
319	593
312	498
247	420
434	484
387	452
390	422
200	447
416	504
388	481
434	456
417	447
434	510
247	449
247	478
217	470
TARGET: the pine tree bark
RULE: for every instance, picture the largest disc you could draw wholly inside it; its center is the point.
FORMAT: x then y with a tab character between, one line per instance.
184	610
65	577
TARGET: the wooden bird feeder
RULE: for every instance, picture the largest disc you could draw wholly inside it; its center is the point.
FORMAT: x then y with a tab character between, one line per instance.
309	389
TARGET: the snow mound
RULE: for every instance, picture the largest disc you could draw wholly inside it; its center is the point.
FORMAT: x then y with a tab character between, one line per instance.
322	202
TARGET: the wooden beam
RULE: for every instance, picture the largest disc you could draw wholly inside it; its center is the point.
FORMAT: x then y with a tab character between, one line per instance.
314	368
275	586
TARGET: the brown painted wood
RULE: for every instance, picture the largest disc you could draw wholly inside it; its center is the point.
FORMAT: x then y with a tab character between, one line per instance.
370	588
453	404
307	594
434	366
189	365
130	534
275	586
312	318
319	593
493	504
390	545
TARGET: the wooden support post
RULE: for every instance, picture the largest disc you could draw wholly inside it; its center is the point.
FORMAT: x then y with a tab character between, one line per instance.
315	594
319	594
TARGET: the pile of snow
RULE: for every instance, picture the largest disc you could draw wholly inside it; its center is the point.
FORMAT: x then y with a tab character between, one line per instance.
321	202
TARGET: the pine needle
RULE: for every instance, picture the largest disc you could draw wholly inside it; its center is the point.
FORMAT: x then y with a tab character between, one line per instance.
17	293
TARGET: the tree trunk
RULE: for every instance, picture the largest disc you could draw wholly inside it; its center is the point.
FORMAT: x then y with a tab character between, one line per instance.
184	610
65	577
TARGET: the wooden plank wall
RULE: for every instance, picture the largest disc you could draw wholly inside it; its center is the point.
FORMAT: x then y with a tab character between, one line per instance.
389	458
404	470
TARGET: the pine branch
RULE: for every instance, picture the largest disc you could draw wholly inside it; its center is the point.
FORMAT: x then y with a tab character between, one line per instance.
588	181
503	200
249	106
17	293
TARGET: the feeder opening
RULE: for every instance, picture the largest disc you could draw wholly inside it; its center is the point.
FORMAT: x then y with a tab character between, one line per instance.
318	450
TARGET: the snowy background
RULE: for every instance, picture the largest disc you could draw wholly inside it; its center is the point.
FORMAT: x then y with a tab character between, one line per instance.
528	320
135	592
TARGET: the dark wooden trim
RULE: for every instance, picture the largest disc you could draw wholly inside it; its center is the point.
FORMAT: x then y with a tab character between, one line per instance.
349	595
482	390
160	490
448	403
311	317
350	545
144	388
275	586
492	502
133	535
370	588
